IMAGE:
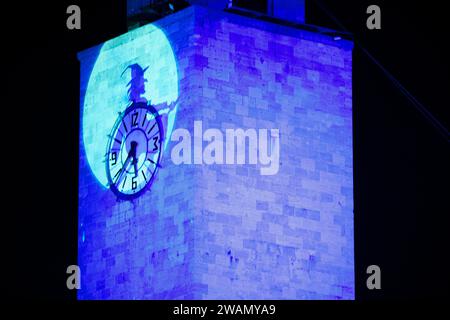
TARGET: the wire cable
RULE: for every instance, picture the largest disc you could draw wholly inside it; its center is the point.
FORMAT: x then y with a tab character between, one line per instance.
416	103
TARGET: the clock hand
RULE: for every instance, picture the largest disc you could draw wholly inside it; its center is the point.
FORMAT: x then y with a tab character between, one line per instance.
122	170
132	154
135	167
131	157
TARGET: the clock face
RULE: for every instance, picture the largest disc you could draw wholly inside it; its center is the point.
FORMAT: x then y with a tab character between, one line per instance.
134	150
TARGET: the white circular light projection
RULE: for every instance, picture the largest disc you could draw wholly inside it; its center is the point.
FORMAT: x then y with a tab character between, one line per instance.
106	93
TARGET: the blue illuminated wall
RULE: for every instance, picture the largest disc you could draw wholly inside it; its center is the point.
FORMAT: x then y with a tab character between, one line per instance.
223	231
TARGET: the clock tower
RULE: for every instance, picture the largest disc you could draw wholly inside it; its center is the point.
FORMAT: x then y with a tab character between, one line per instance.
150	228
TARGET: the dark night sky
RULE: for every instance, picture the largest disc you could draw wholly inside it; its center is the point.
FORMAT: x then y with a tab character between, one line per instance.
400	160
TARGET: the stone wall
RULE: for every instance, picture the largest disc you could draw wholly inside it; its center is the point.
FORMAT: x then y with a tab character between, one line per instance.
226	231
